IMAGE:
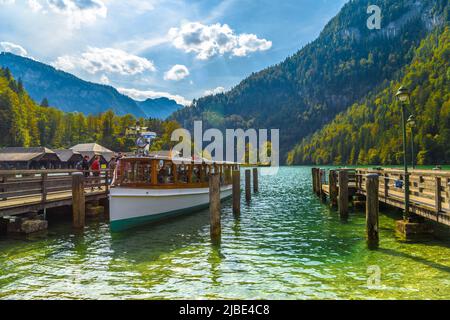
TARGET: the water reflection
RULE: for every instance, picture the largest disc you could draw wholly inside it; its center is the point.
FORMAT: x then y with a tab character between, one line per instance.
149	242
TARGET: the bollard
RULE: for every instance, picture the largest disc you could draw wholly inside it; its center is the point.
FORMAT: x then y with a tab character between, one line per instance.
333	188
343	194
214	208
236	193
78	200
255	180
248	194
372	210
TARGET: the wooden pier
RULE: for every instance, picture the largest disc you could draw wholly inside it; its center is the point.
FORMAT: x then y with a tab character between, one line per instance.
429	189
24	191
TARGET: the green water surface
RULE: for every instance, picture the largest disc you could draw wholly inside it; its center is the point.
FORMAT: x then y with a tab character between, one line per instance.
287	245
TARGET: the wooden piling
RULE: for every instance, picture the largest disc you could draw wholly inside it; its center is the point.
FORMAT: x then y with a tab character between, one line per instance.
437	195
255	180
372	210
313	175
78	200
343	194
214	208
248	194
322	194
333	188
236	192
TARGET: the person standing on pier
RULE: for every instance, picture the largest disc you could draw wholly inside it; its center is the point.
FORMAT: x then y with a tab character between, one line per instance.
84	166
95	167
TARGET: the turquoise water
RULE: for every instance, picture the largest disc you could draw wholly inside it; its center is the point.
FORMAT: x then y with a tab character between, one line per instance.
287	245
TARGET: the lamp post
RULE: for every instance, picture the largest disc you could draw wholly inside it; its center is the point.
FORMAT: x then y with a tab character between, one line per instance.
412	124
403	96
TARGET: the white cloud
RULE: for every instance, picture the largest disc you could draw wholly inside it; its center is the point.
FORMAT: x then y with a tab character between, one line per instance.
35	5
176	73
104	79
76	12
216	39
143	95
107	60
214	91
13	48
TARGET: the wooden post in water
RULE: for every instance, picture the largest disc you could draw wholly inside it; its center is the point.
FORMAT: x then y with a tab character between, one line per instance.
343	194
437	196
236	192
214	207
313	174
322	194
333	188
78	200
255	180
372	210
248	194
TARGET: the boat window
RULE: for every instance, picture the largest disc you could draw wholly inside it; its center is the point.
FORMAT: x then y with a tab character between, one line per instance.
165	173
133	172
182	173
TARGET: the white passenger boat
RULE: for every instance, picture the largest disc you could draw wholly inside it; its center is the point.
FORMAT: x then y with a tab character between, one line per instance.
152	188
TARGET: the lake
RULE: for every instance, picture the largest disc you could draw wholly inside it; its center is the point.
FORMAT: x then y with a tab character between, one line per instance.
286	245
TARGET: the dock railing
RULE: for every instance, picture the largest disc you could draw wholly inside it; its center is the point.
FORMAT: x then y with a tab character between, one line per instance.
429	190
42	183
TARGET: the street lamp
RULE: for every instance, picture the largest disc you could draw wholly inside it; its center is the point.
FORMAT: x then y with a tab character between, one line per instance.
403	96
412	124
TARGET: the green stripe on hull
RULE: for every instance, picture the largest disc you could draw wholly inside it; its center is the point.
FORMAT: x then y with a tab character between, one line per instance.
120	225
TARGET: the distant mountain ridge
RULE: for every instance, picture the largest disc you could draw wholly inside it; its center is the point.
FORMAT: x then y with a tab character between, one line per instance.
69	93
160	108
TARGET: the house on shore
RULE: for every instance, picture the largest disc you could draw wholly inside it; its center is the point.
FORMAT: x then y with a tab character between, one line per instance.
68	158
20	158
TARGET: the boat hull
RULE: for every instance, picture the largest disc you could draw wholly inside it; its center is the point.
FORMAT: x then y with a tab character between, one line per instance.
130	207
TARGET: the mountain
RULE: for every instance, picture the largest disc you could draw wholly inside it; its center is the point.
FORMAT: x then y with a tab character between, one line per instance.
24	123
159	108
370	132
346	62
69	93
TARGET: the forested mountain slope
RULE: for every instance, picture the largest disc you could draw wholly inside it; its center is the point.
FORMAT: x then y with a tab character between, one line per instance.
23	123
370	132
69	93
307	90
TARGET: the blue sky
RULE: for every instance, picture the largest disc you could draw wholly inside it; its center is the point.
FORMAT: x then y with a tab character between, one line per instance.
152	48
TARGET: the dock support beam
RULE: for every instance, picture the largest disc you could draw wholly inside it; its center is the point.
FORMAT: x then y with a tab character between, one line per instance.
236	193
255	180
333	188
248	194
214	208
78	200
343	194
372	210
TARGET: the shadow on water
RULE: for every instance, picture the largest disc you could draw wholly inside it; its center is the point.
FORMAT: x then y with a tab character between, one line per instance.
416	259
147	243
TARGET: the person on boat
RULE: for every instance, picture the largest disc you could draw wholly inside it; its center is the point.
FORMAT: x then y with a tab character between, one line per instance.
162	174
95	167
112	164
